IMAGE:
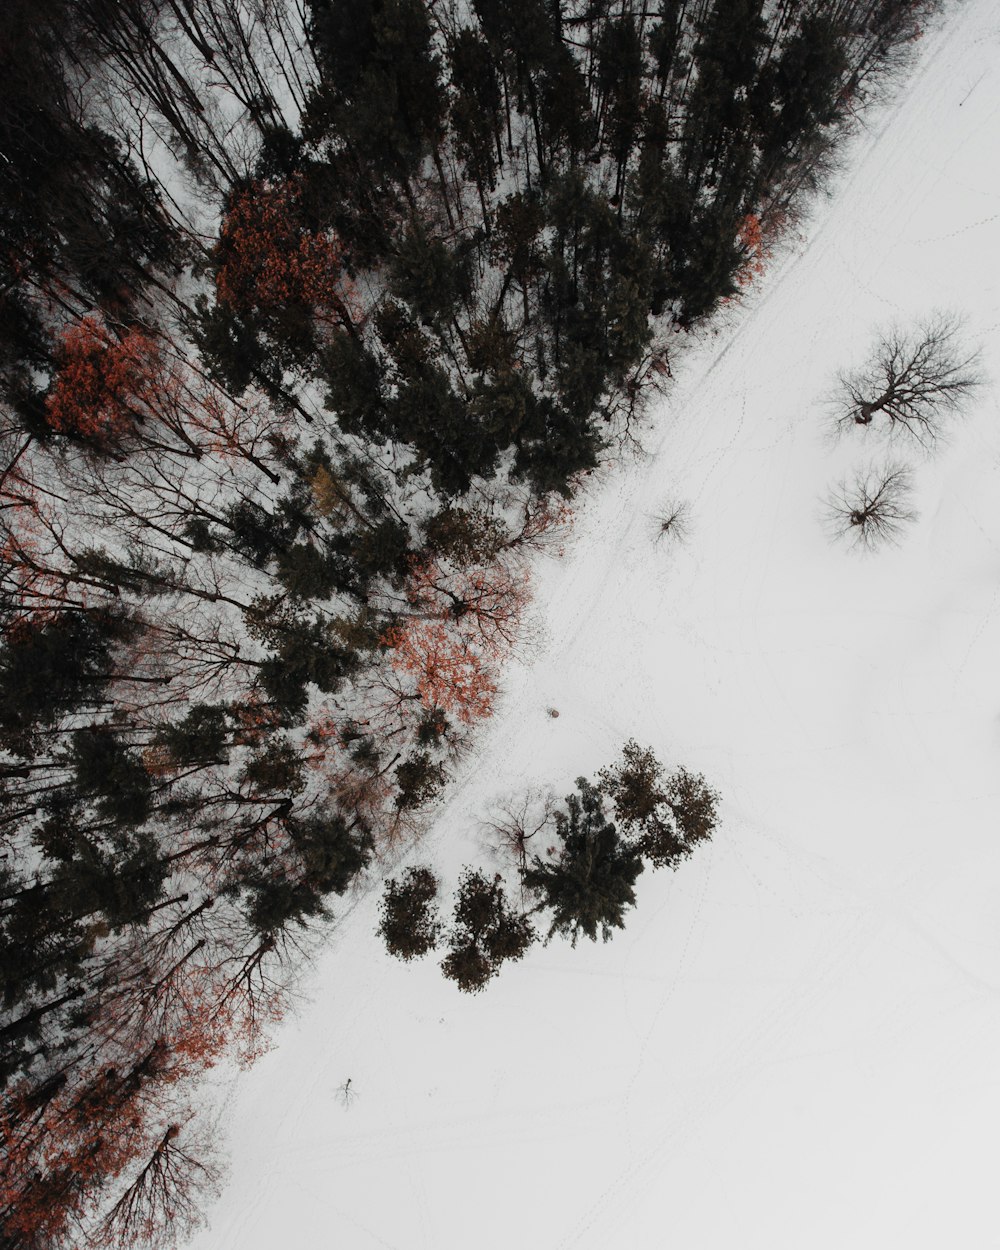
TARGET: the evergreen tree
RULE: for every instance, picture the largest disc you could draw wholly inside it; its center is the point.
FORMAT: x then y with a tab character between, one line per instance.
475	109
433	278
379	92
307	572
553	447
592	883
121	879
306	650
331	849
408	921
325	855
620	83
111	775
50	666
485	933
801	91
275	768
354	376
200	737
419	779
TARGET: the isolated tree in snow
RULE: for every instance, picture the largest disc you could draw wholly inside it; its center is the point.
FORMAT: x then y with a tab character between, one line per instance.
592	883
911	379
408	920
486	932
634	785
871	509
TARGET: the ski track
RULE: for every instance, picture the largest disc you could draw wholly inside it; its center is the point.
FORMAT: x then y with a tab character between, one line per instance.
835	949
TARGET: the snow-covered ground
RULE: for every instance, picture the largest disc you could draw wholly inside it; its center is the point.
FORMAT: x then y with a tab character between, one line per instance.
796	1041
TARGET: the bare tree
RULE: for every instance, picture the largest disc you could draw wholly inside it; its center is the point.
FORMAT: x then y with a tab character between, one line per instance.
673	520
871	508
911	379
165	1198
516	821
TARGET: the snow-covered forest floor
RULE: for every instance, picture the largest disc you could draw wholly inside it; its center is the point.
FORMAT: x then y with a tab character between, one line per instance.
794	1041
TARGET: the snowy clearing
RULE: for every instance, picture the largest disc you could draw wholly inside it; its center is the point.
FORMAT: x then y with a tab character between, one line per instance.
793	1044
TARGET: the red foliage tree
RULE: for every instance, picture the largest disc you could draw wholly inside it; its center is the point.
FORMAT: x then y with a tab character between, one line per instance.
485	602
448	672
755	236
462	622
269	256
61	1145
164	1010
100	376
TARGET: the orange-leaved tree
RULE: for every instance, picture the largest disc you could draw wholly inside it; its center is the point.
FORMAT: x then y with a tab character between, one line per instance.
485	602
754	235
62	1143
269	255
94	394
459	623
448	673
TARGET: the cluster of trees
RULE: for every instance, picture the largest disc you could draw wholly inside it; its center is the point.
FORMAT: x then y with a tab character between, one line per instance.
312	315
912	381
584	883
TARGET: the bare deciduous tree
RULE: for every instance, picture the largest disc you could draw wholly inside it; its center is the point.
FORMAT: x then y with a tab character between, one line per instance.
516	821
911	379
164	1200
871	508
673	520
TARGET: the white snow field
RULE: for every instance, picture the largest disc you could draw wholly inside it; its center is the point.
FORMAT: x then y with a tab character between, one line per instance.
795	1043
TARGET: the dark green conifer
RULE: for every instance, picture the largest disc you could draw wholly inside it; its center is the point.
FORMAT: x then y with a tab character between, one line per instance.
591	884
408	920
200	737
486	932
419	779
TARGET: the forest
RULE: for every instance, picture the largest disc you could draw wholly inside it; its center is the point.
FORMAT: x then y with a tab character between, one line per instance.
315	316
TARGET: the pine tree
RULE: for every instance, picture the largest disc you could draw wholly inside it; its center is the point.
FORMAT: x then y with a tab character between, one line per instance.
111	775
408	922
201	736
419	779
592	883
52	665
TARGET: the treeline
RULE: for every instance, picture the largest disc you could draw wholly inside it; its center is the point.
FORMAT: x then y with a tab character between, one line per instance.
312	316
